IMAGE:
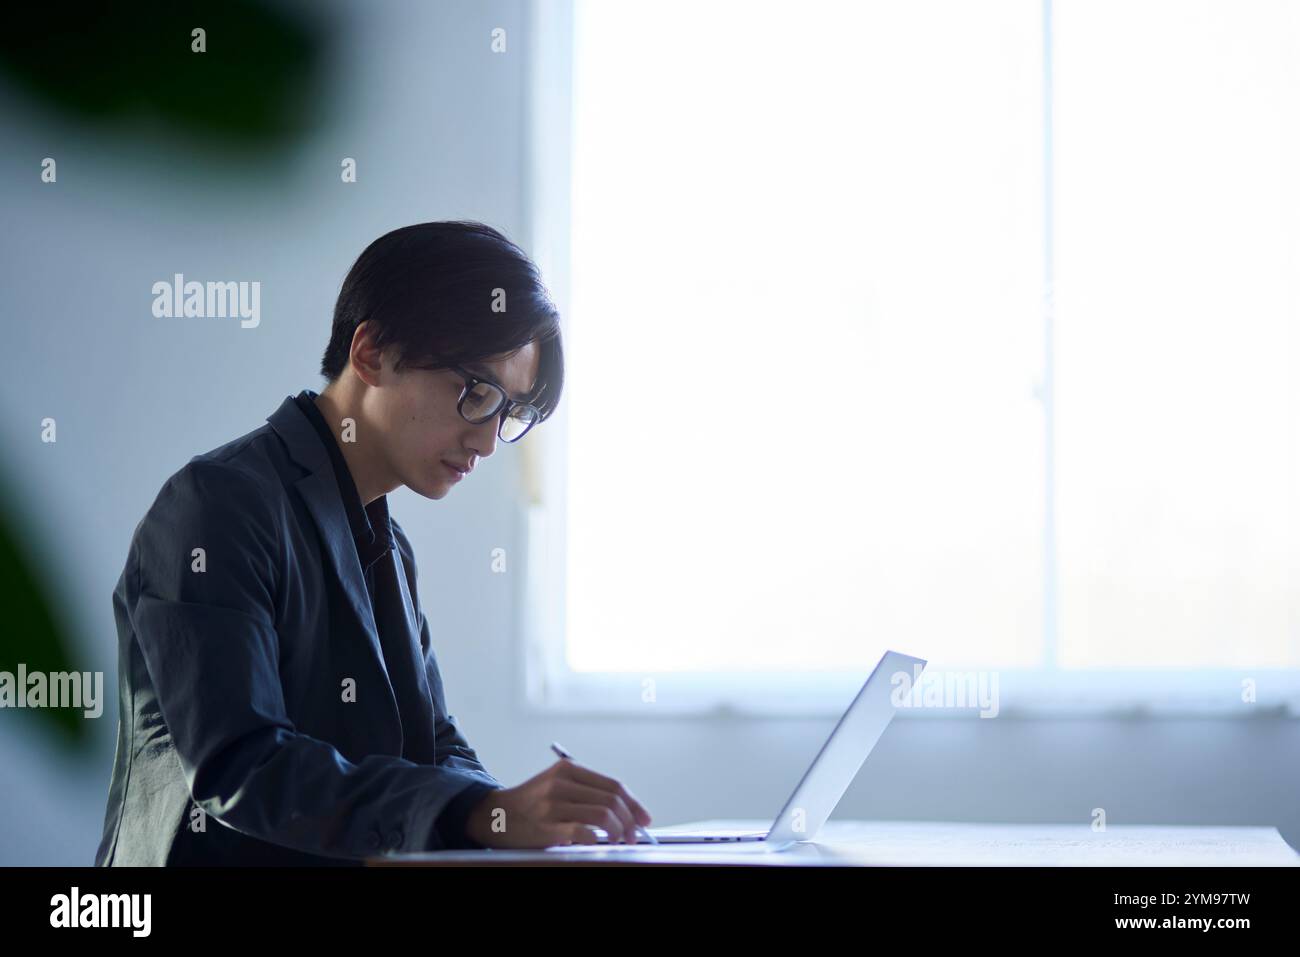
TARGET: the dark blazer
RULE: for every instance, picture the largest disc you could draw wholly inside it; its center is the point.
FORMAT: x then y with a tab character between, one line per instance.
237	743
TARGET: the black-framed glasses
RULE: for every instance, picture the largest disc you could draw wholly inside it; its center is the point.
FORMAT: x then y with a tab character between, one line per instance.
482	399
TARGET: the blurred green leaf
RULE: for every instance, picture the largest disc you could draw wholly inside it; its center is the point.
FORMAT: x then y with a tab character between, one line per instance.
121	61
33	636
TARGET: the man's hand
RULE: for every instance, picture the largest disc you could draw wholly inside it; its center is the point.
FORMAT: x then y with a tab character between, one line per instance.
558	806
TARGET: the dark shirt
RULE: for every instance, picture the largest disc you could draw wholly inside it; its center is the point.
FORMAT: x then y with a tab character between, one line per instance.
372	531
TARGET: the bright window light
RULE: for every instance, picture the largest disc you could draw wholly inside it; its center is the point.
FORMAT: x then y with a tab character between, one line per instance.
1177	145
805	336
964	329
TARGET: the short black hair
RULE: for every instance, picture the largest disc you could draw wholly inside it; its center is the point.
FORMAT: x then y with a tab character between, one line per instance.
429	289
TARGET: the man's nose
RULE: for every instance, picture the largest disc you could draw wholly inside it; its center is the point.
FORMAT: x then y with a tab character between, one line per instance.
484	439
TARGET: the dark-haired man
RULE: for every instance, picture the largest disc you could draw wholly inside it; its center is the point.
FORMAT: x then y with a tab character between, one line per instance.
281	702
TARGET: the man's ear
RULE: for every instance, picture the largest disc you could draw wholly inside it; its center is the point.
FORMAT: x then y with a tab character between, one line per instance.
366	360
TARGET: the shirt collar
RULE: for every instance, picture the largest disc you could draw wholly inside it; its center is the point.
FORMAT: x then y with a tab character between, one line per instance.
372	530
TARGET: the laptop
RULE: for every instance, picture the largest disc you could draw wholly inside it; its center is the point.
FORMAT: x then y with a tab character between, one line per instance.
827	778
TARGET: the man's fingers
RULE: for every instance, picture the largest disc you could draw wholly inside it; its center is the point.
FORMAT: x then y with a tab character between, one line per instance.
584	775
585	835
570	833
594	815
574	792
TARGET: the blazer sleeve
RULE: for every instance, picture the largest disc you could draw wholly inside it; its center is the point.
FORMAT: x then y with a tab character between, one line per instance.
454	751
452	822
206	630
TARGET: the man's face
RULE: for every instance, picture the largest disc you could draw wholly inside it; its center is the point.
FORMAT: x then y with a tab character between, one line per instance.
423	433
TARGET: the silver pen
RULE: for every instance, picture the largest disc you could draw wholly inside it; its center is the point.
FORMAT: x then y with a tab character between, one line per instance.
565	754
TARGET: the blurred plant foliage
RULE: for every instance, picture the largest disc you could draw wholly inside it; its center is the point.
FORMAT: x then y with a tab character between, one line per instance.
32	635
115	63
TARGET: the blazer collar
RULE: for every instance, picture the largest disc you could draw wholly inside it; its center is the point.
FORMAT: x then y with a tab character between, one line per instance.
320	491
299	436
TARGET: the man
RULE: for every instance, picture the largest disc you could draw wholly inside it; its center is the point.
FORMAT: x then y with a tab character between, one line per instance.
280	698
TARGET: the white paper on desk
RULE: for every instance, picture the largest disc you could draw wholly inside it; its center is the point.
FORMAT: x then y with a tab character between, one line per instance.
932	843
734	847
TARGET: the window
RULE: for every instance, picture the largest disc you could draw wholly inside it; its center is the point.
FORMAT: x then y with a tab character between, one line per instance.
960	329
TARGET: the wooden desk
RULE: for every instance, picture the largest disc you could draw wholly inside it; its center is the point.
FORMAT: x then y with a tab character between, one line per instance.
923	844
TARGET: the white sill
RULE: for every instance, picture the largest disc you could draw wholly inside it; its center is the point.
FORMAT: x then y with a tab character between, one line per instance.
821	695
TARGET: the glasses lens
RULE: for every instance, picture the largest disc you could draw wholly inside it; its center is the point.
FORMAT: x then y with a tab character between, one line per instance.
482	402
519	421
